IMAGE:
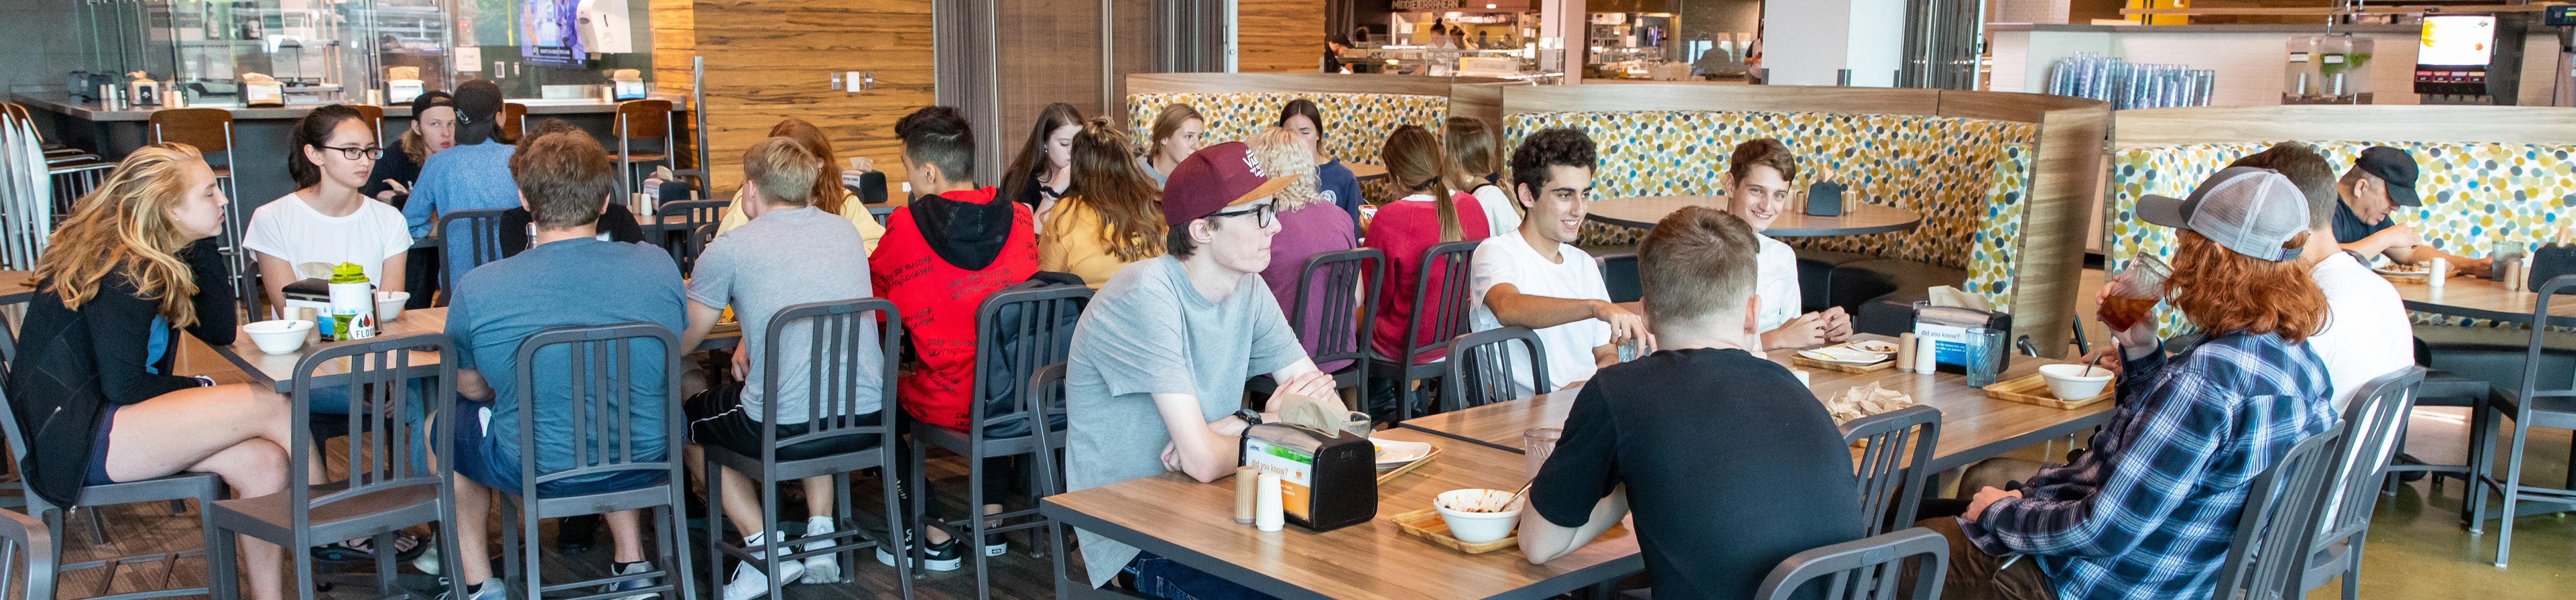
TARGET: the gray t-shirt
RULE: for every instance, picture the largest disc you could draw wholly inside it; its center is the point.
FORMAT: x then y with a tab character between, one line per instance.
1149	332
782	259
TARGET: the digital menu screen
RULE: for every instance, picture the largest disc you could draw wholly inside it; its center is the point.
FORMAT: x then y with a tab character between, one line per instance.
549	34
2457	40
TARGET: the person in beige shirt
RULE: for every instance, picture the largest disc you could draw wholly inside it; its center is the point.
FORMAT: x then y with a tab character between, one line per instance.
828	193
1113	216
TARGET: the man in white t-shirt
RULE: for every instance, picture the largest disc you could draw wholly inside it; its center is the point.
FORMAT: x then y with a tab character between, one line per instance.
1536	278
2367	334
1758	173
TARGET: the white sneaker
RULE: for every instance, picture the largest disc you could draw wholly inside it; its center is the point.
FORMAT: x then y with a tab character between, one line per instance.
749	583
822	568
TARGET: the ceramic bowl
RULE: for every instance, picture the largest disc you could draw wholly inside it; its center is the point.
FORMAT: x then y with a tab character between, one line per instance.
2075	382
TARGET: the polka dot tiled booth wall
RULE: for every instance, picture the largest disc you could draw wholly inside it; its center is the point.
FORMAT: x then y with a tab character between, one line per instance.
2475	194
1969	177
1355	125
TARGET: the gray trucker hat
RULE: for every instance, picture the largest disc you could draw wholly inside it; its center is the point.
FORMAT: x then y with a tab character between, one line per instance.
2251	211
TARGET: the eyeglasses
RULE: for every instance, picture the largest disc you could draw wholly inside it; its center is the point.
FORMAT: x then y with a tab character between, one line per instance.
1262	215
355	152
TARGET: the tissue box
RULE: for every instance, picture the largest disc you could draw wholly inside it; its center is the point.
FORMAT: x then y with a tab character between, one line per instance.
1947	328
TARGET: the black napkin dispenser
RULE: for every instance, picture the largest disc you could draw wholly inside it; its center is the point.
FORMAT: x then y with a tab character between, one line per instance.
1825	199
1327	480
2550	261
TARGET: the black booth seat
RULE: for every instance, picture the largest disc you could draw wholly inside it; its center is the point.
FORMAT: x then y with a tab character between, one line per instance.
1815	276
1879	293
2495	354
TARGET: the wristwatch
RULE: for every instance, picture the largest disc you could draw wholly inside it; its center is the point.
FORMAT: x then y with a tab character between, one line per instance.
1250	417
203	381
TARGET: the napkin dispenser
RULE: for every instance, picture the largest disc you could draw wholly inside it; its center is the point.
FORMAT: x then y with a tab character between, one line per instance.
2551	261
1947	328
1825	199
309	293
1327	480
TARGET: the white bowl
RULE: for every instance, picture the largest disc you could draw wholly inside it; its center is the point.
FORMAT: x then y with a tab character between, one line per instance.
2075	382
1477	527
389	305
280	336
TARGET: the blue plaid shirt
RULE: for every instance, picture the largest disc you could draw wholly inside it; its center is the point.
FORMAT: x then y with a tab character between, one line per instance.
2150	510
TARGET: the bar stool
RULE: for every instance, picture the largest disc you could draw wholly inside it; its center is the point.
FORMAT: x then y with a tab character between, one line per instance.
641	119
210	130
1440	295
375	116
601	378
513	122
221	572
1018	331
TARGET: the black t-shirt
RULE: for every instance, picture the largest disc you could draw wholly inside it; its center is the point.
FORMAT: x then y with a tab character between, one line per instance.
2348	227
1731	467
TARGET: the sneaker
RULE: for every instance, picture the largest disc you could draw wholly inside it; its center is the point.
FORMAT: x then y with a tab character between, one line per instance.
492	589
995	545
822	568
428	562
631	584
748	582
942	557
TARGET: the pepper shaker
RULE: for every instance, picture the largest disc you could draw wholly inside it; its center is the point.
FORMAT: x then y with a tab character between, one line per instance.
1244	485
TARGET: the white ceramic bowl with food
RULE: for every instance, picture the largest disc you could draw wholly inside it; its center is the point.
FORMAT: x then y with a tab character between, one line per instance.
1477	515
389	306
279	336
2075	382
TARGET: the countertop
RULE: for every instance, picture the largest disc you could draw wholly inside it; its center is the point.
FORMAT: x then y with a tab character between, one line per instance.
62	104
2283	29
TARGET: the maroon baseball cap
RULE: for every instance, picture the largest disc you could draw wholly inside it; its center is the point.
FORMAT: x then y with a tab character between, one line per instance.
1213	178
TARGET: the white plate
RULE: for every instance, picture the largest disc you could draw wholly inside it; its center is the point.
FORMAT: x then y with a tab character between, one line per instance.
1394	453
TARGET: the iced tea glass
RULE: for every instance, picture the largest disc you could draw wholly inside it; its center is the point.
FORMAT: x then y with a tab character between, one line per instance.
2145	277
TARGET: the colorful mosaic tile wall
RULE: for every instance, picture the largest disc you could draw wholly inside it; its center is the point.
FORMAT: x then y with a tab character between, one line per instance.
1969	177
2476	195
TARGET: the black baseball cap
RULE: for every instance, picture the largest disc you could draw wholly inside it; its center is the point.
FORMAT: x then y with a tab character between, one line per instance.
431	99
2395	167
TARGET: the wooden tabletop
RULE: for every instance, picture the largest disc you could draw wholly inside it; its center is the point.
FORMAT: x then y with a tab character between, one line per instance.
1859	218
13	286
1181	519
1973	427
2477	298
277	371
1365	172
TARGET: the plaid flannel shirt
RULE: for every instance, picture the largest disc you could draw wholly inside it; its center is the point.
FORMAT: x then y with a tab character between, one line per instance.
2150	509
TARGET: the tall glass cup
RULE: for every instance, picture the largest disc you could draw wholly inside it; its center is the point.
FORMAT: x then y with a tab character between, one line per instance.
1536	444
1986	356
2145	276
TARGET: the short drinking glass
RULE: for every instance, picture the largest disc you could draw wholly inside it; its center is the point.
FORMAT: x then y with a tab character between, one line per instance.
1536	445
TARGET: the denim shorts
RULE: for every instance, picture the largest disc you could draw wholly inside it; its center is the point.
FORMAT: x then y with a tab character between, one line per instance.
1162	578
480	458
98	446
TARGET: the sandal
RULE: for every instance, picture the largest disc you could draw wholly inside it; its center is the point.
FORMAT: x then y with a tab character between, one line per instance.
406	547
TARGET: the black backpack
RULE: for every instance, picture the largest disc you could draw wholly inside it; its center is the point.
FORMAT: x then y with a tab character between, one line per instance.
995	357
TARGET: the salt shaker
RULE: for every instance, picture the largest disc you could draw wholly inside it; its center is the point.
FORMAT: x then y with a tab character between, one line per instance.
2441	271
1269	514
1927	356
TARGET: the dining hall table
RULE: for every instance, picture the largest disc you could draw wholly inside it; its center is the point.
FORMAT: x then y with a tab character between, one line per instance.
277	371
2479	298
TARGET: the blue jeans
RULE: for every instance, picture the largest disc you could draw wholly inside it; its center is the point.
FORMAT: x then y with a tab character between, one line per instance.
1162	578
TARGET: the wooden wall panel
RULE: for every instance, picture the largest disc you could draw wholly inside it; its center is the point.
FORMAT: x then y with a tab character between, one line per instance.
1279	36
2066	181
771	59
675	41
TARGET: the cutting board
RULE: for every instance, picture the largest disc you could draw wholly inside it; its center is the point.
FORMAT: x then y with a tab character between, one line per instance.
1427	524
1384	476
2033	389
1840	366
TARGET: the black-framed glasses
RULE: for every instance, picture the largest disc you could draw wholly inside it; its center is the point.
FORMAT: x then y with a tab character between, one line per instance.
1262	215
356	152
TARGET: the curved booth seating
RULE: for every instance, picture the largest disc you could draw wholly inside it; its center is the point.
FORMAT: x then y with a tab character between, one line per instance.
2003	181
1359	110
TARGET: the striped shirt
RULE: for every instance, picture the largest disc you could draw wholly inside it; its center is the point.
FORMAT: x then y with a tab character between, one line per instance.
2150	510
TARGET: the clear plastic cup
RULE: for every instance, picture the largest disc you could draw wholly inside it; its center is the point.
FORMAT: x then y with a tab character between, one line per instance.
2145	277
1536	444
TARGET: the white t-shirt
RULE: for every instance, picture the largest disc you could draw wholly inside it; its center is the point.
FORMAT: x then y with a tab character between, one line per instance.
1775	276
1509	259
2367	334
292	231
1499	213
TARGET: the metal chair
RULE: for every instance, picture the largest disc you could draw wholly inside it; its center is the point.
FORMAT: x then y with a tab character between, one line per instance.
27	553
2371	425
1017	333
601	376
210	130
2438	389
1896	447
2529	405
222	581
1048	387
698	240
836	398
2279	518
375	116
1481	368
390	486
692	215
482	244
1877	561
514	122
1445	305
1346	277
641	119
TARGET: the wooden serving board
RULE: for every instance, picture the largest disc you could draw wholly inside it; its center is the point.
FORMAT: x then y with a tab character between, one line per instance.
1427	524
1389	474
2033	389
1843	367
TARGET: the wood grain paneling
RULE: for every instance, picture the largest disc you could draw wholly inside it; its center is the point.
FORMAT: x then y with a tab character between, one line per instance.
2065	186
768	60
1479	100
1279	36
1651	97
675	41
2265	124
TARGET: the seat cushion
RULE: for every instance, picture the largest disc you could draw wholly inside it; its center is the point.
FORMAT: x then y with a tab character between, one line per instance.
1815	274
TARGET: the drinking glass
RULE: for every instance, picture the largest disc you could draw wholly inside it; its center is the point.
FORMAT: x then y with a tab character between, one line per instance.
2146	278
1986	356
1536	445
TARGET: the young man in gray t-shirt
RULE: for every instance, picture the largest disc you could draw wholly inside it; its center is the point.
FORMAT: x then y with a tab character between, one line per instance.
1161	354
790	253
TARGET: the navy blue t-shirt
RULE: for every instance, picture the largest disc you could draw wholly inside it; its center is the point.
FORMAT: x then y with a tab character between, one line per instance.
2348	227
1339	187
575	282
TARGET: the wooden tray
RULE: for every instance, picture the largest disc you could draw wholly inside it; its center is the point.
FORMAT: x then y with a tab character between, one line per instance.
2033	389
1802	361
1389	474
1426	524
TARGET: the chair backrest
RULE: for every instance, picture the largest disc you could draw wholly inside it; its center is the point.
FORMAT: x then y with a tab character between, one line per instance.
2531	360
27	557
600	371
481	236
1447	308
209	129
1895	448
1865	569
2281	510
513	124
641	119
1349	280
698	211
1481	368
390	385
375	117
2371	428
696	244
1018	332
841	335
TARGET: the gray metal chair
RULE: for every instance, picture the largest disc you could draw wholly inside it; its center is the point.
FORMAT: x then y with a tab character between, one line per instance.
601	376
481	233
1877	560
27	552
205	488
2269	555
836	402
698	239
1482	368
1018	332
1070	583
1896	447
1350	280
1445	305
2529	405
680	237
2371	426
390	486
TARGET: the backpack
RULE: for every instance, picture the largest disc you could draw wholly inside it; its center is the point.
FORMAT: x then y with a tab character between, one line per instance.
1002	378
